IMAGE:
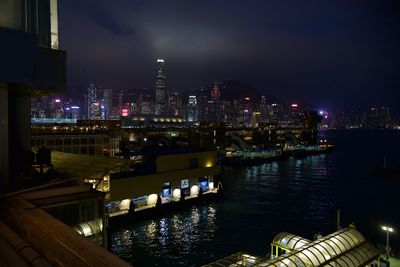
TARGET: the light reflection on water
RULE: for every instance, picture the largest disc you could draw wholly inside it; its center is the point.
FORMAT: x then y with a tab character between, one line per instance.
295	195
255	197
166	240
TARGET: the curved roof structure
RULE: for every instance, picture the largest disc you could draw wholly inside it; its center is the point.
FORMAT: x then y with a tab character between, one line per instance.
359	256
289	241
346	247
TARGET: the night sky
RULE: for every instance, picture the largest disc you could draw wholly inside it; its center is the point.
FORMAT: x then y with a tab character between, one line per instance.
327	53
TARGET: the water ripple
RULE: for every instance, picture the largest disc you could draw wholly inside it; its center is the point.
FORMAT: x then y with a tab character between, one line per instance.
295	195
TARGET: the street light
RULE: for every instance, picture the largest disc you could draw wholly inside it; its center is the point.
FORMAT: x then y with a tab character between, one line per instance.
388	230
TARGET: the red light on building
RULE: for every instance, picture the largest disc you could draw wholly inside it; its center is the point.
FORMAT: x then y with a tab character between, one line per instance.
247	98
125	112
295	105
215	93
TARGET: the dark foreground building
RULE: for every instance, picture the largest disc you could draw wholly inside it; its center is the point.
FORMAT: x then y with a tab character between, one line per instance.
31	64
31	230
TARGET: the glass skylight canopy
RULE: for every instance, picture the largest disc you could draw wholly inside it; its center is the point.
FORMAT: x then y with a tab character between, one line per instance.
344	248
288	241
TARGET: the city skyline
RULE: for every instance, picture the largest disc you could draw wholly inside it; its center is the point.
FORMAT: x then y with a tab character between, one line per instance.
174	133
202	106
344	54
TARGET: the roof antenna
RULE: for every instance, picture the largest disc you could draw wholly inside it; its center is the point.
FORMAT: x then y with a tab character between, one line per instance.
338	227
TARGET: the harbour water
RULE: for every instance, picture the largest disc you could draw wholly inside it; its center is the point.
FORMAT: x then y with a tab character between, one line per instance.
297	195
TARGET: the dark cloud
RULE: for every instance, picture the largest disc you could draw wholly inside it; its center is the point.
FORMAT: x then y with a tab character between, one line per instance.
334	52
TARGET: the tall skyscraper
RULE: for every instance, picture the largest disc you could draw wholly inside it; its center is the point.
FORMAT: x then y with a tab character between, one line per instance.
107	103
145	103
174	104
92	97
96	110
215	93
192	109
160	88
202	103
263	109
215	106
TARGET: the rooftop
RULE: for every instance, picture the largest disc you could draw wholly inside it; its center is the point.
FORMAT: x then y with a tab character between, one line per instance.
82	166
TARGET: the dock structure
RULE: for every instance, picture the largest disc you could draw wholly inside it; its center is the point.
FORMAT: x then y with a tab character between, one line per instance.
157	179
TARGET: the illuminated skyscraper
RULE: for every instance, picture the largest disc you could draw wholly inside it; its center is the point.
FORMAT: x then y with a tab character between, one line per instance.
202	103
145	103
174	104
92	97
192	109
263	109
215	93
107	103
96	109
160	88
